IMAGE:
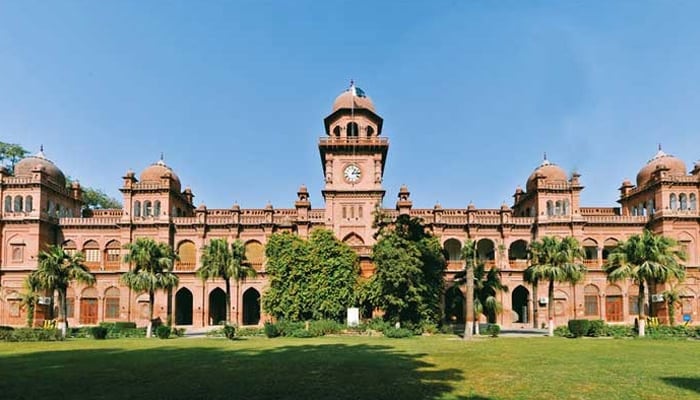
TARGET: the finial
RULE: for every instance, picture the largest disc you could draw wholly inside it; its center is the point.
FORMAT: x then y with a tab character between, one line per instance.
41	148
545	156
659	146
161	156
352	83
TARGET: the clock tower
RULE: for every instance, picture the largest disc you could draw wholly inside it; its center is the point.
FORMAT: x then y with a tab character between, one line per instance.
353	155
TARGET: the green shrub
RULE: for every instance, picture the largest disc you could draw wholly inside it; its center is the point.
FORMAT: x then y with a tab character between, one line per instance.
300	333
287	327
562	331
6	328
596	328
578	327
271	330
249	331
163	331
30	335
229	331
99	332
447	329
325	327
375	324
493	330
429	328
619	331
179	332
397	333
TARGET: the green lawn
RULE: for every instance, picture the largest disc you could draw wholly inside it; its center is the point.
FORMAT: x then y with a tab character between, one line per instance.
439	367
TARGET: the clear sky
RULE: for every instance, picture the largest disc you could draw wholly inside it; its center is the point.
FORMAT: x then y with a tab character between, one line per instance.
235	92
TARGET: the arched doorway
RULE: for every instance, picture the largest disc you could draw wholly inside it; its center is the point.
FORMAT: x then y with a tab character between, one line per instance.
251	307
217	306
519	303
454	305
183	307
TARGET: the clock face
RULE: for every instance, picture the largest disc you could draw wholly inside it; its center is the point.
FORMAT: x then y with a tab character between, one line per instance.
352	173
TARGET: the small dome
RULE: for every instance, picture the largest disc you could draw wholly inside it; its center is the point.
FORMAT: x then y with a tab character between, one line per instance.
26	165
551	172
155	172
676	167
353	97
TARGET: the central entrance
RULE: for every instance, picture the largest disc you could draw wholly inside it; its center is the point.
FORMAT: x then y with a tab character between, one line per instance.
217	307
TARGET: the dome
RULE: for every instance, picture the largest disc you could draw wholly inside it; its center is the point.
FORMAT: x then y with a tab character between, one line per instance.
155	172
26	165
353	97
675	166
551	172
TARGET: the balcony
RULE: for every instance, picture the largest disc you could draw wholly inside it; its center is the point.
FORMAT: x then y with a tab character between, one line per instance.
112	266
184	266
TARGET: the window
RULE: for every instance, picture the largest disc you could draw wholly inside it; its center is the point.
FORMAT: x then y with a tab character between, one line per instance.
590	300
650	207
52	208
634	304
693	202
359	211
17	252
137	208
18	203
345	212
92	253
686	305
558	208
370	131
112	303
147	209
672	201
188	256
336	131
70	303
29	203
113	255
550	208
156	208
8	204
352	211
683	200
565	208
70	247
352	129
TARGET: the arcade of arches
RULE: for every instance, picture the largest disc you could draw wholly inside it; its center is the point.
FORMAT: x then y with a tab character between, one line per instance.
39	209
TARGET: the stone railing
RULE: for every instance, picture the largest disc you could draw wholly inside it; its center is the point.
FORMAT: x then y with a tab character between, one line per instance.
94	221
359	141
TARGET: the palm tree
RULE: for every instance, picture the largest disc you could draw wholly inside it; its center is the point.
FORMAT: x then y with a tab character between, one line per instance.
469	257
646	259
221	261
152	270
57	269
672	296
485	286
554	260
30	296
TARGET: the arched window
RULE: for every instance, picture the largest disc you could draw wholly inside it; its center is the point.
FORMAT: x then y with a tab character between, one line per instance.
178	212
70	247
156	208
590	300
112	303
51	208
650	207
550	208
454	250
29	203
112	255
693	202
137	208
18	203
633	211
92	254
336	131
558	208
642	210
8	204
370	131
188	256
683	200
352	129
254	252
672	201
565	207
147	208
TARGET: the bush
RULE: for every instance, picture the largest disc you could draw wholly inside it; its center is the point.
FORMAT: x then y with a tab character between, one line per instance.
250	331
429	328
375	324
447	328
619	331
6	328
118	325
271	330
493	330
578	327
398	333
30	335
596	328
99	332
300	333
325	327
163	331
562	331
287	327
179	332
229	331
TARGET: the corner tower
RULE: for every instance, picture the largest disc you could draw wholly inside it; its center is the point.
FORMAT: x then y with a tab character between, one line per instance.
353	156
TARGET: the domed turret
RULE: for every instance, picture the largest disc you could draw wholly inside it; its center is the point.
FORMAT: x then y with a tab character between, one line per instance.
550	172
675	166
353	98
25	167
154	173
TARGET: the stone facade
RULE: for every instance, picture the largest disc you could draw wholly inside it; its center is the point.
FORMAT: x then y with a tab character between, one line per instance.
39	209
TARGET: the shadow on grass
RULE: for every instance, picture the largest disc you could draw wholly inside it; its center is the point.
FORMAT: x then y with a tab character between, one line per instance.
325	371
684	382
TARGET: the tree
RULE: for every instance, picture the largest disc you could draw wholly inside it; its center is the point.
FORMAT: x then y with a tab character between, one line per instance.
30	296
95	198
57	269
219	260
310	279
672	296
469	257
10	154
646	259
408	282
554	260
485	285
152	270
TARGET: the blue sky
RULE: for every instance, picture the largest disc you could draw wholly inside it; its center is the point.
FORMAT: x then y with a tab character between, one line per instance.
235	92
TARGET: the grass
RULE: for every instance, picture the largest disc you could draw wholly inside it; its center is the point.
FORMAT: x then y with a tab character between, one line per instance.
439	367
